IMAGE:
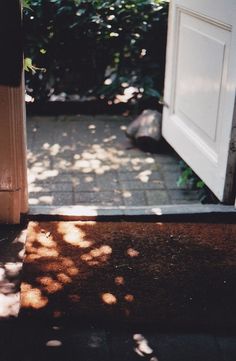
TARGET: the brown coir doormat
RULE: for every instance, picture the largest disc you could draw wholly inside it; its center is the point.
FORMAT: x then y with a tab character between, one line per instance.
170	274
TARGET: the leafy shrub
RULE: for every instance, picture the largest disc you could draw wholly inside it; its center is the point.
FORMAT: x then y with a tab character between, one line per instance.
96	47
189	178
192	181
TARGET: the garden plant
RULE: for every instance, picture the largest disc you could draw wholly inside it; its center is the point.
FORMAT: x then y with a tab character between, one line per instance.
95	48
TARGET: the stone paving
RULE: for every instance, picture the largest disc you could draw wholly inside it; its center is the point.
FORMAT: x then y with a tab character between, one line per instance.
88	160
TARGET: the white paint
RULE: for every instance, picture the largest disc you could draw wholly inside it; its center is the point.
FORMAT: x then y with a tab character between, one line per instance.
200	88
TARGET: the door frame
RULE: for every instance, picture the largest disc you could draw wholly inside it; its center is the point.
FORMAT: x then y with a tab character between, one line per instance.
13	156
230	180
13	175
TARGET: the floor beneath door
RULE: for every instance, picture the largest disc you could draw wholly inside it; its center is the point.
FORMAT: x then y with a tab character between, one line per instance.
210	269
88	160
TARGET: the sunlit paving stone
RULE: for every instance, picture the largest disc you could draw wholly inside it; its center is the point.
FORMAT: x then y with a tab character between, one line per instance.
67	149
52	198
50	187
134	198
42	199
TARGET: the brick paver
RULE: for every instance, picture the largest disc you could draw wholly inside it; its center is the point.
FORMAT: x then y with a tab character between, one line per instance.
87	160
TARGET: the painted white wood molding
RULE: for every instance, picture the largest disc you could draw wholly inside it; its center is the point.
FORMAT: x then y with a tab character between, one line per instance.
13	169
199	96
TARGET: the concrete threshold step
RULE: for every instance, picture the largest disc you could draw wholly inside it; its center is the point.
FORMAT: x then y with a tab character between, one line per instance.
206	212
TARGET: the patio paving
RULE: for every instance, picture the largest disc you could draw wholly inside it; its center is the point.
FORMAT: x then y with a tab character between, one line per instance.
88	160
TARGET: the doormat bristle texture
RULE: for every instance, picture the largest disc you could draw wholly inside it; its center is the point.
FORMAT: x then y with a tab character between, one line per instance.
164	273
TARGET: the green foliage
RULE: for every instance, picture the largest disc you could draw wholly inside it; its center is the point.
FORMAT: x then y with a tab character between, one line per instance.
28	66
26	4
96	47
192	181
189	178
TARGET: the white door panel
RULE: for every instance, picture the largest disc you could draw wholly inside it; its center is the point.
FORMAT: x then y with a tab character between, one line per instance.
200	88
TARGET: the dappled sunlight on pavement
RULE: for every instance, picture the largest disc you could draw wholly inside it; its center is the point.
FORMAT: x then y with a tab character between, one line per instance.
87	160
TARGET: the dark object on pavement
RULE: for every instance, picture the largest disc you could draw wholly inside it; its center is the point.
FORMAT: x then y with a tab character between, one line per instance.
145	130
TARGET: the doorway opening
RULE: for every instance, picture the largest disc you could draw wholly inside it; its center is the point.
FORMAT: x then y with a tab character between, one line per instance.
87	159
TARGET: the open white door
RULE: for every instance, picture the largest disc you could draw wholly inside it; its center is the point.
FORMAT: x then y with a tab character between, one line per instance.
199	98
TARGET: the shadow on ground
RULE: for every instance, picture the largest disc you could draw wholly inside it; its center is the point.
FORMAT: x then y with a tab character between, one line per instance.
171	274
112	268
59	342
